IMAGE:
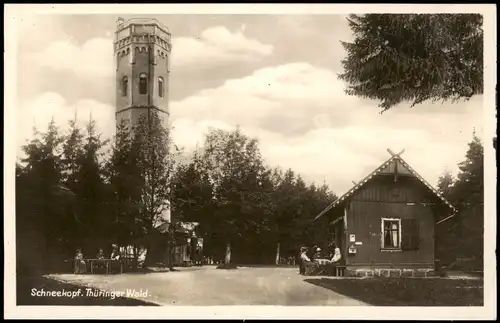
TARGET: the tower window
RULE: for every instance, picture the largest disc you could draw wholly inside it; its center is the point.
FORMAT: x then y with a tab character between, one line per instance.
160	87
143	84
125	86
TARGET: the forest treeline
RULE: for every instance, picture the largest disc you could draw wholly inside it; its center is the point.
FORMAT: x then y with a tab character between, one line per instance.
75	189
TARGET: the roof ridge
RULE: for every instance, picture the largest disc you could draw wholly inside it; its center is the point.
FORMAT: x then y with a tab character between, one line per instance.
432	188
360	183
373	173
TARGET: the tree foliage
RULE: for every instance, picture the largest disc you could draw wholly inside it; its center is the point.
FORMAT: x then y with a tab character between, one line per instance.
234	166
69	195
49	212
445	183
461	237
156	164
414	57
468	187
125	182
242	203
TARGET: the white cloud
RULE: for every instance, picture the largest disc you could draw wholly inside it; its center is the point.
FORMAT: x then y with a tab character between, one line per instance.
291	81
39	112
343	138
288	90
94	58
299	111
333	137
217	45
189	134
36	30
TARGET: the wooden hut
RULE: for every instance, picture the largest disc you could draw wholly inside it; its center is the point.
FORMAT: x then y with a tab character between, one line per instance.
187	245
384	225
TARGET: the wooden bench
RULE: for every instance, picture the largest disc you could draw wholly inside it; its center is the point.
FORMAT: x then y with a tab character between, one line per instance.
339	271
314	269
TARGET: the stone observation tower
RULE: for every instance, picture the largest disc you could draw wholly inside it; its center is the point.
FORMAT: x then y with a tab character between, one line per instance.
142	57
142	53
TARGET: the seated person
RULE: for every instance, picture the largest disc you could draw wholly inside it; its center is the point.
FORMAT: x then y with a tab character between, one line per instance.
318	254
115	253
336	255
100	255
309	266
311	252
335	260
115	259
80	265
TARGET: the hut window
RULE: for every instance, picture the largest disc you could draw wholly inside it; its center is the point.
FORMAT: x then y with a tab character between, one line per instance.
125	86
143	84
160	87
391	234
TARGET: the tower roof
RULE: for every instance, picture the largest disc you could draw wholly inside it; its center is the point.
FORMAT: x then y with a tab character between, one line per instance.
144	21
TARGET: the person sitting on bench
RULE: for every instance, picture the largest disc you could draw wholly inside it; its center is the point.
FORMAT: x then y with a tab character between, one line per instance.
115	254
100	256
80	265
115	259
335	260
310	266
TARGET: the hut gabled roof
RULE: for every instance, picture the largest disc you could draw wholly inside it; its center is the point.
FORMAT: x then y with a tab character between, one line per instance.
388	166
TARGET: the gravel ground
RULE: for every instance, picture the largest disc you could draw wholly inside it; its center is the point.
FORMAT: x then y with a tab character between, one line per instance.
211	287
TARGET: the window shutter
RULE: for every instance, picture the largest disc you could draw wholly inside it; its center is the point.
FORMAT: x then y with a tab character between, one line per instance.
416	234
410	234
405	234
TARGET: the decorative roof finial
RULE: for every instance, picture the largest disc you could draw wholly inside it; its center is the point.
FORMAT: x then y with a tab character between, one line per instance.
393	153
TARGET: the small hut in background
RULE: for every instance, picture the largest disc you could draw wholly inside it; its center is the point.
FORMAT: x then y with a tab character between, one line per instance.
179	246
385	224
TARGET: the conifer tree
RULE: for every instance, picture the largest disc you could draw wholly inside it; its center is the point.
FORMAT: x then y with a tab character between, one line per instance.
125	189
414	57
90	190
469	187
43	217
445	183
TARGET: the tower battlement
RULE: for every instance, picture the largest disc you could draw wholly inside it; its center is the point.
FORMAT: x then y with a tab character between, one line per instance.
122	24
141	31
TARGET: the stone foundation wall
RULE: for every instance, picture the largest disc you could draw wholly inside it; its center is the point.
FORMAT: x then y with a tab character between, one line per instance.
389	272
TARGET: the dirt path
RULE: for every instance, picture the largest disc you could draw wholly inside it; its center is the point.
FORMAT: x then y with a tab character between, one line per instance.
209	286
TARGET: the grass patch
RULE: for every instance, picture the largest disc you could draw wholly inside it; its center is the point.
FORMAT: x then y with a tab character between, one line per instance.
227	266
408	291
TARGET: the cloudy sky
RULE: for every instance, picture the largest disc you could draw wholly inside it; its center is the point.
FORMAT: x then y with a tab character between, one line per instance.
274	75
